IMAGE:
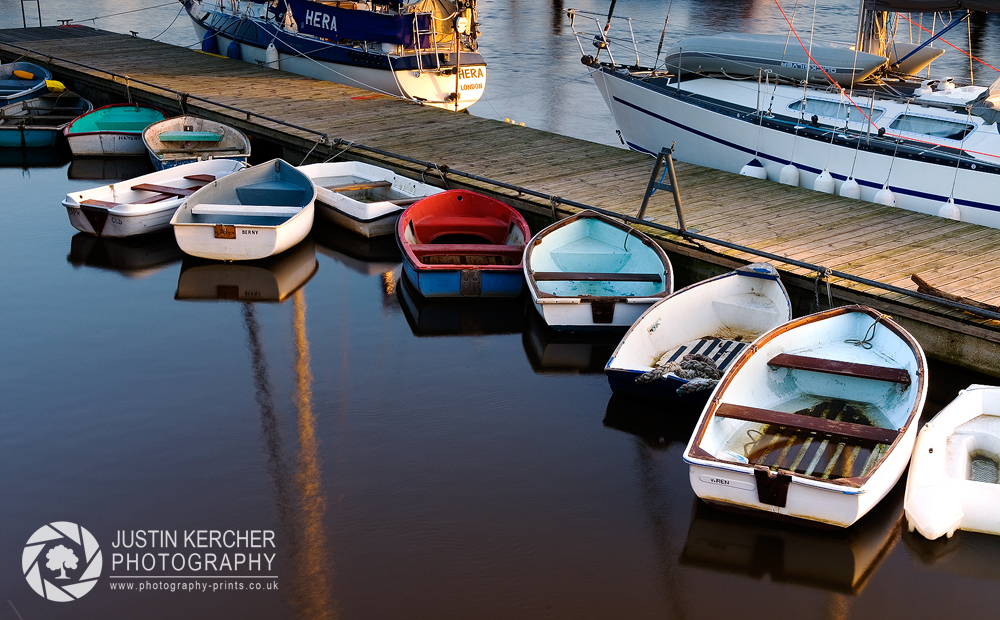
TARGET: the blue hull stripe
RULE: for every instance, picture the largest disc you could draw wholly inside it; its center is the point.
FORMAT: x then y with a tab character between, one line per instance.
726	143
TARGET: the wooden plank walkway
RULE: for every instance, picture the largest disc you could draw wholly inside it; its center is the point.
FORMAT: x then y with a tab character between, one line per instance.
859	238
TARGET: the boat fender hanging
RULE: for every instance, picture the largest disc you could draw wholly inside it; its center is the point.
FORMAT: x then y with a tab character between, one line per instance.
824	182
23	75
950	210
271	58
754	169
55	86
233	51
850	189
885	196
789	175
208	43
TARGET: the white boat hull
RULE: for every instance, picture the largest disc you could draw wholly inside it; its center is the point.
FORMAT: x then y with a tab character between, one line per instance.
128	218
650	119
941	494
576	315
369	219
821	435
107	144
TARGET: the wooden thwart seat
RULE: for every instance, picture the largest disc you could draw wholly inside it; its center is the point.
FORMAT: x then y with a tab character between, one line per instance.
163	189
846	430
354	187
202	178
836	367
466	249
566	276
91	202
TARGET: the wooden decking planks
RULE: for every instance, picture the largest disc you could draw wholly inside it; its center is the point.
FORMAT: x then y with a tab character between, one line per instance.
860	238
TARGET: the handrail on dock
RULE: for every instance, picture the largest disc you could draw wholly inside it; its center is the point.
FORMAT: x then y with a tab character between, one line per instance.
325	140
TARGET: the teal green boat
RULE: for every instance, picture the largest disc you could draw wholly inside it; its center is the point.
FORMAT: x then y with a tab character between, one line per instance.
112	130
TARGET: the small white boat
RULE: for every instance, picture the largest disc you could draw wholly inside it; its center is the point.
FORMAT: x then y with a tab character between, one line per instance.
144	204
185	139
590	272
363	198
715	319
251	214
815	422
955	469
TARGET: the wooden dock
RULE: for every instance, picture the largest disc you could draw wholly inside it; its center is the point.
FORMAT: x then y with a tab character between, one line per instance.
859	238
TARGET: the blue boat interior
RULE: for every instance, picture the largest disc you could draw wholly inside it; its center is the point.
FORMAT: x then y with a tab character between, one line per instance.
590	248
267	197
12	85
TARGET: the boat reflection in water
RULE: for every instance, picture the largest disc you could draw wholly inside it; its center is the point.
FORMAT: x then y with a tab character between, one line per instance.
55	157
966	554
459	317
364	255
270	279
658	425
551	351
836	561
132	257
108	168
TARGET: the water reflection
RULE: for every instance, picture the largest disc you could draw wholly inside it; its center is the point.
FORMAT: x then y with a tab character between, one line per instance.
364	255
837	561
34	158
966	554
550	351
658	425
132	257
459	317
108	168
270	279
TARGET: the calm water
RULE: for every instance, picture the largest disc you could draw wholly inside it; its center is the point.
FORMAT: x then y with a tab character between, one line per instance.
413	459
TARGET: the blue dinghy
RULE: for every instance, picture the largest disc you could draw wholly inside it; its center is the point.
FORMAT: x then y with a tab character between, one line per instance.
590	272
38	122
21	80
682	345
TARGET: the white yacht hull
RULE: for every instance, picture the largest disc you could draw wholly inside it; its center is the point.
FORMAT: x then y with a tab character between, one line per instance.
649	120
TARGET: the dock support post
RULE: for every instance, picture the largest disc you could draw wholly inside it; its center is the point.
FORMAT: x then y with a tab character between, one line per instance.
666	154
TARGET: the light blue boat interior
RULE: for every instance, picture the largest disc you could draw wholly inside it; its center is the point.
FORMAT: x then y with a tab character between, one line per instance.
117	118
590	245
273	184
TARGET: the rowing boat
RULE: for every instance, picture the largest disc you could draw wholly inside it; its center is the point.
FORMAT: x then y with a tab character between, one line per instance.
185	139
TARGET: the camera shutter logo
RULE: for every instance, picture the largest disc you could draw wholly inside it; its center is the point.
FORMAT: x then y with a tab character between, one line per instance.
61	561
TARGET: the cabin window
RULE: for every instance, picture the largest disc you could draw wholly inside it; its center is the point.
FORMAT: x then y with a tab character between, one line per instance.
247	31
839	110
935	127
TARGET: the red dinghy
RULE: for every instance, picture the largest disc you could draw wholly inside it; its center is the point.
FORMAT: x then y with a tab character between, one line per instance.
463	244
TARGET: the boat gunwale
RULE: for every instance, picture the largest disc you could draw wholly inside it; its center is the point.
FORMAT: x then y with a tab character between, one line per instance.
694	454
67	129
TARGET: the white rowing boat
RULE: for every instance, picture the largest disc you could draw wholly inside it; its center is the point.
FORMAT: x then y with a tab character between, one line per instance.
254	213
363	198
815	421
144	204
955	469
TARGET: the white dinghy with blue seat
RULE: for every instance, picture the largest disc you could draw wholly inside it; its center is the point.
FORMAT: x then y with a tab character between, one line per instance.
590	272
955	468
363	198
683	344
815	421
254	213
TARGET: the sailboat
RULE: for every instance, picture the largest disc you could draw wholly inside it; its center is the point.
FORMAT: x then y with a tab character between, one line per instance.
855	120
425	51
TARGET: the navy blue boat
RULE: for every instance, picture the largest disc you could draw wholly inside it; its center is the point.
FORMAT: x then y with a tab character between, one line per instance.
425	52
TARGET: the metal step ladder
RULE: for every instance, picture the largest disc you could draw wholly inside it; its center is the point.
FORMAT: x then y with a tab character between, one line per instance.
24	18
431	34
666	155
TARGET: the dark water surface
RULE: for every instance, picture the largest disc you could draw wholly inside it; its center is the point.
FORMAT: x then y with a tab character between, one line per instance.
414	459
